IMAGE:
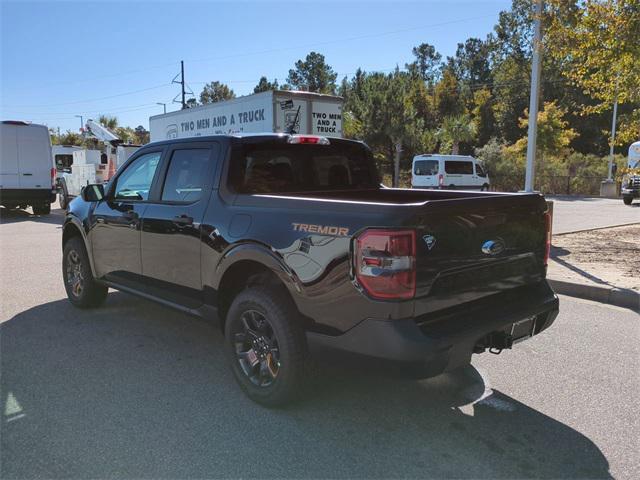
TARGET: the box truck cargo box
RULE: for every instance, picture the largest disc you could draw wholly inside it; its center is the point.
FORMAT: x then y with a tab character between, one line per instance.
274	111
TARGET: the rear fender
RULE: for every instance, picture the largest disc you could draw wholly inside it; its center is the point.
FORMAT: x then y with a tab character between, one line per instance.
263	255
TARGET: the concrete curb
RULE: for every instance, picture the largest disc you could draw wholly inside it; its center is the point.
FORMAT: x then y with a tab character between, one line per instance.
620	297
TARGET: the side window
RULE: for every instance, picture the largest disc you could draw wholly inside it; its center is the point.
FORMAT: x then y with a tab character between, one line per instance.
135	182
458	167
187	175
480	171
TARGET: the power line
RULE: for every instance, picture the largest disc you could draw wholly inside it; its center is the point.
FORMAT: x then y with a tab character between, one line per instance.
132	92
274	50
342	40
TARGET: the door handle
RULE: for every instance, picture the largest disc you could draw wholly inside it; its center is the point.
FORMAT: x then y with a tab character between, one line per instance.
183	219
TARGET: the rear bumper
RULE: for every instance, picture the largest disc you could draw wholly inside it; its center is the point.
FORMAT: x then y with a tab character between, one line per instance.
29	196
433	344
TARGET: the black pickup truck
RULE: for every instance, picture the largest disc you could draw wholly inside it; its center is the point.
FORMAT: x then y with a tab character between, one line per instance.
293	244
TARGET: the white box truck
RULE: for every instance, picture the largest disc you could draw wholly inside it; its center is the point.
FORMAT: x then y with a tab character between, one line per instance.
283	111
27	171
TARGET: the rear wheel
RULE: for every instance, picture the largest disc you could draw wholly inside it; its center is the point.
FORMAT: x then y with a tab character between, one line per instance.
266	346
82	289
42	209
627	200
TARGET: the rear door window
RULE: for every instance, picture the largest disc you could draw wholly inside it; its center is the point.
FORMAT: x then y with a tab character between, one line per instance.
277	167
456	167
187	175
425	167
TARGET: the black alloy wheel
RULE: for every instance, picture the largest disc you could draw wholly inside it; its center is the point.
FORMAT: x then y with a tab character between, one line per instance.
256	348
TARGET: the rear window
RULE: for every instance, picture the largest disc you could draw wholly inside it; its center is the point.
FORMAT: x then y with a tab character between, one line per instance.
459	168
425	167
63	161
277	167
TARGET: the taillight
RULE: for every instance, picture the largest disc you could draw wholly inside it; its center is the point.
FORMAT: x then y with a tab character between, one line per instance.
386	263
441	180
308	139
53	177
547	237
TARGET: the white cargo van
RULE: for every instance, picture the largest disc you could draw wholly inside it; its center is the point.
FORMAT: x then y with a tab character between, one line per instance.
27	171
448	172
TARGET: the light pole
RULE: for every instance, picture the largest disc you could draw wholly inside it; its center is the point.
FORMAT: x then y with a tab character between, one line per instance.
81	121
533	99
164	106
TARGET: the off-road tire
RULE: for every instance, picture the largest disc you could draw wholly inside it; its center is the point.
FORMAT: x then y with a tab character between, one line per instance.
284	319
42	209
92	294
63	198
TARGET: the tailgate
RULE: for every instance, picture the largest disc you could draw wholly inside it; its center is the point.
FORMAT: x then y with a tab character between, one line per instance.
470	248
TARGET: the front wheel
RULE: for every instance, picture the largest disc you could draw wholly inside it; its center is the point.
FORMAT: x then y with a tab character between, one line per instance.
82	289
627	200
266	346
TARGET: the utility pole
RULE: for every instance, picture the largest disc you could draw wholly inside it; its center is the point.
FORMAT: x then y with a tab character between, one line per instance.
536	63
81	121
182	84
613	132
184	104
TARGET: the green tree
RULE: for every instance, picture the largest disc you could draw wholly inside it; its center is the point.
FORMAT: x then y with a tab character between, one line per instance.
313	74
483	115
216	92
471	62
265	85
427	64
68	138
597	43
456	130
511	93
554	134
108	121
447	95
142	135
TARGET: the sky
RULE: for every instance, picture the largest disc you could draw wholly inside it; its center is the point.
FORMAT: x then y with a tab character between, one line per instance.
61	58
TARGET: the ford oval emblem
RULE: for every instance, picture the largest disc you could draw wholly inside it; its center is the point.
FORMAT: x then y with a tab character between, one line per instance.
493	247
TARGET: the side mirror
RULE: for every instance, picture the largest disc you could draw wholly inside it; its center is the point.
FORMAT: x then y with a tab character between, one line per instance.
92	193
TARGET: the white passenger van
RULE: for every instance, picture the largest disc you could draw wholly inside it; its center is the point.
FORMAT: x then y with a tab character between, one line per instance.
27	171
448	172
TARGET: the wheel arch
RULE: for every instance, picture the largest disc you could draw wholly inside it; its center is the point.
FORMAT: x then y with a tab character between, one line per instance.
247	265
73	228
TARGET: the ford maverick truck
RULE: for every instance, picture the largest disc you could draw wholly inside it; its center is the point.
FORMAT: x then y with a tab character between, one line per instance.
293	245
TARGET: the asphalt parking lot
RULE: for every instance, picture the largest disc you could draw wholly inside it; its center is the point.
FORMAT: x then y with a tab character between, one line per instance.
134	390
571	214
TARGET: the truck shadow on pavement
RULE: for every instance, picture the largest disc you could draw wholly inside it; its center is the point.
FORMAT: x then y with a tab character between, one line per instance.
14	216
136	390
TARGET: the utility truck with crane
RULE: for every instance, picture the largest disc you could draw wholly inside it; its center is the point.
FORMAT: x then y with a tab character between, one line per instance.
631	180
93	166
